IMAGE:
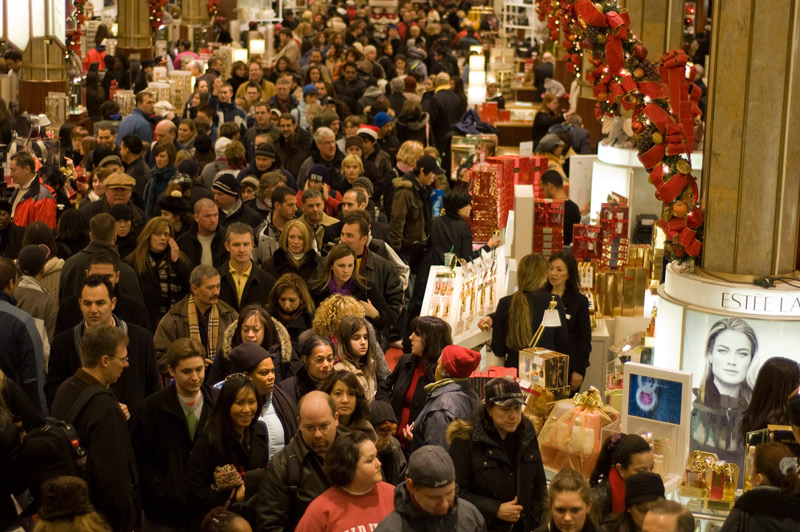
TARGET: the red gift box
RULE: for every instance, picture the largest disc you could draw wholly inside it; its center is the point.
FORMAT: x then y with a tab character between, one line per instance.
614	220
479	379
488	112
548	213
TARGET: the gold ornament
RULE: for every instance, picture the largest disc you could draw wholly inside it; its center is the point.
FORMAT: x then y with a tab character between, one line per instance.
684	167
657	138
599	7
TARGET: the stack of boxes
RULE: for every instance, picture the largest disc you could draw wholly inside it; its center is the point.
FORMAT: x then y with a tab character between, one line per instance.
485	181
548	226
180	88
586	242
614	234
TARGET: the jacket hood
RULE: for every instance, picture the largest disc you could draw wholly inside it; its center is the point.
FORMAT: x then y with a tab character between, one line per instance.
405	181
459	429
770	502
405	506
284	341
414	122
53	265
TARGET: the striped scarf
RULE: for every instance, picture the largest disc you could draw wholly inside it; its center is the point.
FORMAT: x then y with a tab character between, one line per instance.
213	327
168	283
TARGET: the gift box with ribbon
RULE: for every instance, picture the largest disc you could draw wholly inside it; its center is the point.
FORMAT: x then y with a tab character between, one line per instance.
586	243
614	220
571	436
484	183
479	379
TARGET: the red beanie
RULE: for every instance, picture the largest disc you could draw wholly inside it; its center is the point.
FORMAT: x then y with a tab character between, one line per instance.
459	362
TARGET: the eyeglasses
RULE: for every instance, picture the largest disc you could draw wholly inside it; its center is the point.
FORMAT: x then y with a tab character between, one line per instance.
312	429
162	233
234	376
320	360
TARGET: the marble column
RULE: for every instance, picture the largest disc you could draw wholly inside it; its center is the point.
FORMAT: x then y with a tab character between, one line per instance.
134	29
751	174
194	12
657	23
43	71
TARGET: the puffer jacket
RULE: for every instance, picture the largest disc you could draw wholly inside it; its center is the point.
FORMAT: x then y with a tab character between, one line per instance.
407	517
281	353
484	472
37	205
448	400
412	211
412	127
764	509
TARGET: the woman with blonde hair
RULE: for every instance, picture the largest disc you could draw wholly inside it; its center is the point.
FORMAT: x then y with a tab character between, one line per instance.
518	316
163	269
352	168
295	254
570	504
407	155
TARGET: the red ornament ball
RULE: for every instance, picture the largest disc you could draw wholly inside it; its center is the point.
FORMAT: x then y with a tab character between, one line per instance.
639	52
637	126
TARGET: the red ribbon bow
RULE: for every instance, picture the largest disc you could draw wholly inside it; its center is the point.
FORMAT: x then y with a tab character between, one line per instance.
618	24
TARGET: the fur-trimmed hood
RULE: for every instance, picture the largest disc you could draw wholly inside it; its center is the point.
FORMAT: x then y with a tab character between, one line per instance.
770	502
405	181
459	429
414	122
284	341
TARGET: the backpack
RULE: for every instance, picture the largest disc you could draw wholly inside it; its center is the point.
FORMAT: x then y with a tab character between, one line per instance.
54	449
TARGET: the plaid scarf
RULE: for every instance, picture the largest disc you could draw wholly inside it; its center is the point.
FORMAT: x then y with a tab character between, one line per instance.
167	280
213	327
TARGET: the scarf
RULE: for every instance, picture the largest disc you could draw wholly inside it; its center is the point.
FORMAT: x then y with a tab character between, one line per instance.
345	290
213	327
617	490
167	280
159	179
286	319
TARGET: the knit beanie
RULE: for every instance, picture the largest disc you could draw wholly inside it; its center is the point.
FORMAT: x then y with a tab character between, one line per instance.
459	362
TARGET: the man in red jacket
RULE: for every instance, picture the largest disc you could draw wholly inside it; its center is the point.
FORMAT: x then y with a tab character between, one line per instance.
33	200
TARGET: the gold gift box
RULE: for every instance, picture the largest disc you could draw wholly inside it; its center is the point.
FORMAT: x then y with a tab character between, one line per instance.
544	368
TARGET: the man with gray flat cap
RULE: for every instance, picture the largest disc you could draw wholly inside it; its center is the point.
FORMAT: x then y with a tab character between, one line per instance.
427	500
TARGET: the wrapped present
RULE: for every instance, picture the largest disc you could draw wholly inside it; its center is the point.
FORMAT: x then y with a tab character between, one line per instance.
549	213
614	220
479	379
485	216
586	242
488	112
571	436
696	475
608	291
543	367
614	253
724	477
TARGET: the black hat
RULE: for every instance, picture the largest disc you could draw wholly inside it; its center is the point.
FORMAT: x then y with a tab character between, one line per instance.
121	212
503	392
266	149
175	204
32	258
5	206
63	497
381	412
189	167
429	164
319	173
245	357
643	487
227	184
431	467
364	182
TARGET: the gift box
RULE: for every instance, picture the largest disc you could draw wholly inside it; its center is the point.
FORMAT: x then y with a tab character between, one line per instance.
614	252
695	481
571	436
485	215
586	242
614	220
548	213
543	367
488	112
479	379
608	292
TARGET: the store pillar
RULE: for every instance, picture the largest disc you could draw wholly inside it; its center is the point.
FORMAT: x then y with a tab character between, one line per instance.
43	71
751	181
194	12
657	23
134	29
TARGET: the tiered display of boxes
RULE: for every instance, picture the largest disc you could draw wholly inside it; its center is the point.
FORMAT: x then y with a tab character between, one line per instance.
180	87
548	226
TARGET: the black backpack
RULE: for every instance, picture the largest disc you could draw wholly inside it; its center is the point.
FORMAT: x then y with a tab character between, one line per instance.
54	449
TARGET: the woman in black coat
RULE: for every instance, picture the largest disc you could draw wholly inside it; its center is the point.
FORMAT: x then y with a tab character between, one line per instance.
773	505
232	437
295	254
163	269
549	114
414	371
497	461
563	282
518	316
290	303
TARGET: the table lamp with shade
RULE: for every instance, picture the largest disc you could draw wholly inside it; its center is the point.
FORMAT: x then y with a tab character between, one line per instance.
550	318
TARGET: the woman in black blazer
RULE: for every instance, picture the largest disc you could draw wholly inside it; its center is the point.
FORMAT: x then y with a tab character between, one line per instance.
563	282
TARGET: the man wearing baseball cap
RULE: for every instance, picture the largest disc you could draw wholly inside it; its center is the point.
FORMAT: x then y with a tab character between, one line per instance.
450	397
427	500
412	211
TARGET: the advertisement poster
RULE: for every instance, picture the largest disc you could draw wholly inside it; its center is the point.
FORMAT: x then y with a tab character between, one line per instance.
724	355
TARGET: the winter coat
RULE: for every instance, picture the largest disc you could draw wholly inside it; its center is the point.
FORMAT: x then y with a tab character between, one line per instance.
136	123
448	400
230	112
37	205
295	151
176	325
412	211
381	294
412	127
445	111
22	357
138	219
139	380
249	457
407	517
394	388
337	180
103	431
191	246
554	338
256	289
579	331
543	121
350	92
602	497
268	238
281	352
162	445
393	462
279	507
240	213
298	385
279	263
150	284
484	472
451	231
33	298
74	272
764	509
127	309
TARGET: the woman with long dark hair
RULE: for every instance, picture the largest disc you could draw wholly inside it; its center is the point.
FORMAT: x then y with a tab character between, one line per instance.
351	403
404	388
778	379
229	456
163	269
256	325
563	282
773	505
290	303
621	456
355	353
72	233
518	316
39	233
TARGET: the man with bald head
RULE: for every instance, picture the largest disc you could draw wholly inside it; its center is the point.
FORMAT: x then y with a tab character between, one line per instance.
294	476
668	516
204	242
165	131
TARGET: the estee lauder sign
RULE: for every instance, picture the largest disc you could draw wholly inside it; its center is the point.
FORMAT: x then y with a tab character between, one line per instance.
769	304
736	298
